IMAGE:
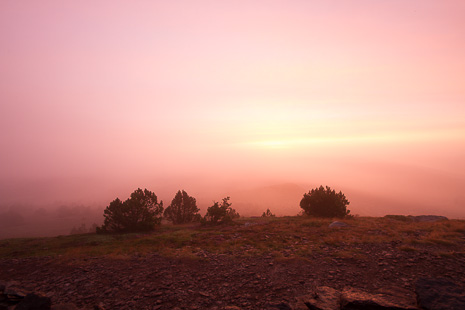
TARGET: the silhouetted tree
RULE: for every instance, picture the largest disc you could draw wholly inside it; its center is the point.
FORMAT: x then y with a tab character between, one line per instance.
268	213
141	212
325	202
218	214
183	209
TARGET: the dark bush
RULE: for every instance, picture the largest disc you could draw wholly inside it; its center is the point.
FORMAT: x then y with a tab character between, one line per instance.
325	202
268	213
141	212
183	209
219	214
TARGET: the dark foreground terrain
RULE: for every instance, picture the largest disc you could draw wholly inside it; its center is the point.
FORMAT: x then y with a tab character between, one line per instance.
256	264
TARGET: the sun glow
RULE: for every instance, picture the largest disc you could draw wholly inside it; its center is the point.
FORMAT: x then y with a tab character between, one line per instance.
357	140
274	144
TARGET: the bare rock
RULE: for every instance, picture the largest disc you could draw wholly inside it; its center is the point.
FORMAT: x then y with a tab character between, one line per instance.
353	299
14	291
322	298
439	294
35	301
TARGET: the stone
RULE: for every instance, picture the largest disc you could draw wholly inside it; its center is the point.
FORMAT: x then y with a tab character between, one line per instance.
337	224
322	298
13	291
354	299
35	301
204	294
428	218
439	293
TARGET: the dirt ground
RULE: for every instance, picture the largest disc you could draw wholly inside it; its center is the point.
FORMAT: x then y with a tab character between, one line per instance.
222	281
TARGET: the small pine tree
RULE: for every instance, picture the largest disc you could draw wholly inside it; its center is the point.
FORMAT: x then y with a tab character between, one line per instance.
183	209
218	214
141	212
325	202
268	213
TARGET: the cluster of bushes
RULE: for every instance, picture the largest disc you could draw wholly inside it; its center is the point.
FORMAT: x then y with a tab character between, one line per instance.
143	212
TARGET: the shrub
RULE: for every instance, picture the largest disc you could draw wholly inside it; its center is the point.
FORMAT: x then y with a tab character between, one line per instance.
141	212
219	214
183	209
268	213
325	202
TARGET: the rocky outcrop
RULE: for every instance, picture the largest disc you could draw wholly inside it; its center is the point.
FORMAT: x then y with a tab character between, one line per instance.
428	218
13	296
323	298
439	294
36	301
417	218
353	299
327	298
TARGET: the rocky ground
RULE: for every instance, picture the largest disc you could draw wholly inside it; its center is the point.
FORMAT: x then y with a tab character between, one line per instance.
222	281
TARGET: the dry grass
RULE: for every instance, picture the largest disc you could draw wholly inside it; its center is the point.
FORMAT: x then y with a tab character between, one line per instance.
282	237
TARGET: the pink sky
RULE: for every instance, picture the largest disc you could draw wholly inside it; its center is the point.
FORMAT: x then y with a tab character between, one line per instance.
103	97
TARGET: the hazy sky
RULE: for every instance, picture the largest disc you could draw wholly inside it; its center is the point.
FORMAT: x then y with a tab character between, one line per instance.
101	97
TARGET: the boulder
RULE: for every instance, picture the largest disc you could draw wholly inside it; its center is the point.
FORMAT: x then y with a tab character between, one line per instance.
322	298
354	299
338	224
438	294
14	292
35	301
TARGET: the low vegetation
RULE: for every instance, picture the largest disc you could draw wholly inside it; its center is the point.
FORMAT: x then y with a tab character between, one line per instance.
278	236
141	212
268	213
325	202
133	224
183	209
220	214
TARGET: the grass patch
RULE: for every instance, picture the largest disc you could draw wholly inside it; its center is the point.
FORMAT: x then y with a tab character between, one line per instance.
284	236
441	241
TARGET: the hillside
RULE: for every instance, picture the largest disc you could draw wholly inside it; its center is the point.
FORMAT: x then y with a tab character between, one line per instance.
254	264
